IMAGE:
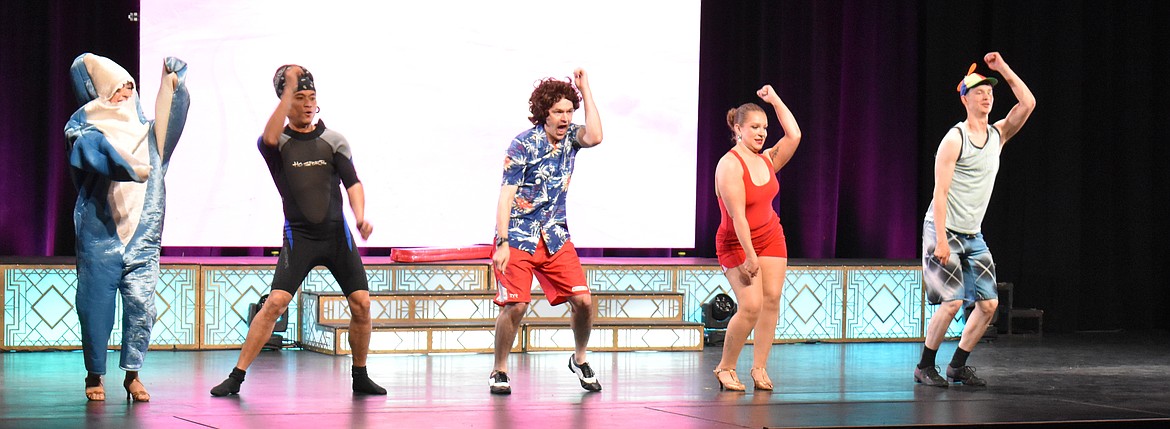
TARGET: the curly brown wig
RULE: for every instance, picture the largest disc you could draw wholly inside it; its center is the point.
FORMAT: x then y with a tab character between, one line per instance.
547	93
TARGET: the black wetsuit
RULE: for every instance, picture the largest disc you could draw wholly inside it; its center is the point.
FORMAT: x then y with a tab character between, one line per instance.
307	169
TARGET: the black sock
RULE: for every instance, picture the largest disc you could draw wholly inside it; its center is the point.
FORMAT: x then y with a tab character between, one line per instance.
928	356
363	384
960	358
231	385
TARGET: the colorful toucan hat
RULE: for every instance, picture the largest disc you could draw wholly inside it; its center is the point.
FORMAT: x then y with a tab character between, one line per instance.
973	80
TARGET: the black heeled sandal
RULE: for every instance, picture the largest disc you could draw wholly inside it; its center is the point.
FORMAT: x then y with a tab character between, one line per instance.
94	389
138	395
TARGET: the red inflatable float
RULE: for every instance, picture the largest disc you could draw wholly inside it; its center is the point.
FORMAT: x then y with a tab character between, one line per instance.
433	254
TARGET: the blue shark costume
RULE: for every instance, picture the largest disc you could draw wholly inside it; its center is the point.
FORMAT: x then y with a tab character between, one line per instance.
118	160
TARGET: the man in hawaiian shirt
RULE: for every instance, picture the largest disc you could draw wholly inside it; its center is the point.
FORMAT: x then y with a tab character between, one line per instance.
532	236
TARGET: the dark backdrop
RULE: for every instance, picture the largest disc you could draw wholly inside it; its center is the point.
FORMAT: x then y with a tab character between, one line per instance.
1073	222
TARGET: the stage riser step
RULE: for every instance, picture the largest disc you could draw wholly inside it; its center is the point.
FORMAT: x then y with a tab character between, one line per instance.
335	340
454	308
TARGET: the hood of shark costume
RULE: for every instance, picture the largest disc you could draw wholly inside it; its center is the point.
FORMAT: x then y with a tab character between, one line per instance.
118	157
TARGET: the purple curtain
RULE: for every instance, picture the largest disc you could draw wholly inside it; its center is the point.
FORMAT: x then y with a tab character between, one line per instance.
849	77
40	41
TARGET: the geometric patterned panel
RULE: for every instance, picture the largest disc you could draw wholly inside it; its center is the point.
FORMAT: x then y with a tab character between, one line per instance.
884	304
629	278
227	293
412	308
440	277
38	308
463	307
321	280
612	307
464	340
644	307
698	285
389	341
811	305
421	340
176	304
205	306
39	311
656	338
555	338
313	336
616	338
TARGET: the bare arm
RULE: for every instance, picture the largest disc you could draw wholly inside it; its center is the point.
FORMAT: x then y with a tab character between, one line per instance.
357	203
592	135
501	253
782	152
944	172
729	187
171	105
275	125
1025	101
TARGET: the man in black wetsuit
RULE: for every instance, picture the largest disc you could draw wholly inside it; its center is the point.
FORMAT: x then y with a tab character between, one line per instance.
307	162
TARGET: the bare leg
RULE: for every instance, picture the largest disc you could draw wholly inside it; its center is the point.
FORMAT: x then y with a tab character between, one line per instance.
977	323
360	326
581	324
773	271
258	335
507	325
937	329
262	325
748	298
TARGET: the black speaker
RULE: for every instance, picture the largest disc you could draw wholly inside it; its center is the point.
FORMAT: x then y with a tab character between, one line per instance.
718	311
716	314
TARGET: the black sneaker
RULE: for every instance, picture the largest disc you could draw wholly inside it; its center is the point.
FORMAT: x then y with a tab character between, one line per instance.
929	376
585	374
965	375
498	382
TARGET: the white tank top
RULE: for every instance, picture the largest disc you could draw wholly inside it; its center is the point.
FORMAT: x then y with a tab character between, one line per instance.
972	183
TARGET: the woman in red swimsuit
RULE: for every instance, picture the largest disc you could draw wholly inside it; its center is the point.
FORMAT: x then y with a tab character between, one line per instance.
750	242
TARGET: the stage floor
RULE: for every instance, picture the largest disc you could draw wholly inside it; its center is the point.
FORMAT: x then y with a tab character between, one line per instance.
1080	380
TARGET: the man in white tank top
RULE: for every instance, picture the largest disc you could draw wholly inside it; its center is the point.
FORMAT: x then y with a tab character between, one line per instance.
956	263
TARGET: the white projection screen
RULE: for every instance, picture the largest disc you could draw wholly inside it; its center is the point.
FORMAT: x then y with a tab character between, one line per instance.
429	94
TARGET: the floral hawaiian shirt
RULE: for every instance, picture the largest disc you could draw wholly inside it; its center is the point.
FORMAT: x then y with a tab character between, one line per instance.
541	172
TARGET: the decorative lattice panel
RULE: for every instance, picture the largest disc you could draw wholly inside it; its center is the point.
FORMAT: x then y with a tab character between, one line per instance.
699	285
884	304
616	338
312	335
811	304
39	309
631	278
227	293
441	278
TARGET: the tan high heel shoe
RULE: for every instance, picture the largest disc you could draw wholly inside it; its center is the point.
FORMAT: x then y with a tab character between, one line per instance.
734	385
94	389
139	394
766	383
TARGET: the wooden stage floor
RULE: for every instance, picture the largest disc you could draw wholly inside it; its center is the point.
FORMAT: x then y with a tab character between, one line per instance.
1072	380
